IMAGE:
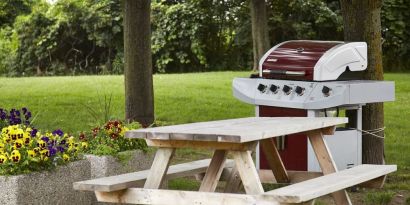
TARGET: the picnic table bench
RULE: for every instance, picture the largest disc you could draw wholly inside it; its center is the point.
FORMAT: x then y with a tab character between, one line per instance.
238	137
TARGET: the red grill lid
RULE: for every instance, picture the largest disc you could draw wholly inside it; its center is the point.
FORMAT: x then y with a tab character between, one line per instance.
294	59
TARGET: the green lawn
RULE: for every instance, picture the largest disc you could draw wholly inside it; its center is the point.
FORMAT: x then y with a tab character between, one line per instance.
61	102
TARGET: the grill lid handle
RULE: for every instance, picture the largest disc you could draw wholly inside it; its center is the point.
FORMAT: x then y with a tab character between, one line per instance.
285	72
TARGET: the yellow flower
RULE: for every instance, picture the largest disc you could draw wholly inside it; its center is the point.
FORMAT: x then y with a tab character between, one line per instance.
15	156
3	159
6	138
41	144
44	154
2	145
71	139
123	130
4	131
18	144
36	150
84	145
66	157
26	138
31	153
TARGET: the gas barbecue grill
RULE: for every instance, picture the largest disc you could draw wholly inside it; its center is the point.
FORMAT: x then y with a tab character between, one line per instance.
310	79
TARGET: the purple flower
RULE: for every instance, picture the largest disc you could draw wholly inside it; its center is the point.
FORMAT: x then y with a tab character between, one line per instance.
33	132
58	132
53	151
45	139
62	142
24	109
17	113
60	149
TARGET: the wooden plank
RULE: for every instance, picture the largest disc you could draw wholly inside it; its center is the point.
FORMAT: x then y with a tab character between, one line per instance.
238	130
214	171
173	197
233	182
311	189
137	179
247	172
274	160
326	163
201	144
267	176
159	168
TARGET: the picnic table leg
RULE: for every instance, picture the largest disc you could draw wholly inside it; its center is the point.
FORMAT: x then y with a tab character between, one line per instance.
326	162
247	172
214	171
274	160
159	168
234	182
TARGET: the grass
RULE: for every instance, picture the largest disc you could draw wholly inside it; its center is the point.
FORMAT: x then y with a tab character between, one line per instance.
379	198
62	102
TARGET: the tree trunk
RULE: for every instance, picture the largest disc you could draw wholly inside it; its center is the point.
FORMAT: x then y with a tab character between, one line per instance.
362	22
260	36
139	97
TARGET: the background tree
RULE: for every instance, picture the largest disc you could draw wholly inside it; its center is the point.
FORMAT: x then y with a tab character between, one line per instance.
10	9
259	30
362	22
139	97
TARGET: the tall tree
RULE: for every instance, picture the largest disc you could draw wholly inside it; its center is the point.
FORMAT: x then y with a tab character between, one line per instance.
259	30
139	97
362	22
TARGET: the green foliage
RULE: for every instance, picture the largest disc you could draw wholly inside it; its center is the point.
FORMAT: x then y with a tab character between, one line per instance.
74	37
10	9
304	19
379	198
110	140
8	48
189	36
396	32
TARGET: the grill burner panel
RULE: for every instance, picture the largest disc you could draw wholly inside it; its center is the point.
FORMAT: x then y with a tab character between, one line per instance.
313	95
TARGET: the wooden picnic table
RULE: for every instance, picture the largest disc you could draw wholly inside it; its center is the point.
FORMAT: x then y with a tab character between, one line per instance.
239	137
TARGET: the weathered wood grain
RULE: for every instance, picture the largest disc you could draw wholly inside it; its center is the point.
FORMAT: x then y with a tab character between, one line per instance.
159	168
137	179
214	171
311	189
326	163
173	197
237	130
247	172
274	160
202	144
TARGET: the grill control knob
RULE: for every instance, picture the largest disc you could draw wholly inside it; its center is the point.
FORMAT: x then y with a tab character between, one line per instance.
326	91
299	90
274	88
287	89
262	88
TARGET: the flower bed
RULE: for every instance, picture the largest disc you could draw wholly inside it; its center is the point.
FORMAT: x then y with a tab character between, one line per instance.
39	167
47	187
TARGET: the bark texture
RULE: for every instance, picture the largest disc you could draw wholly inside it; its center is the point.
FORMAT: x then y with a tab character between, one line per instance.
362	22
139	97
260	34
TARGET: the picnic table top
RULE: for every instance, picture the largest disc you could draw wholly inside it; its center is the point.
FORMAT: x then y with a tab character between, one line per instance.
237	130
